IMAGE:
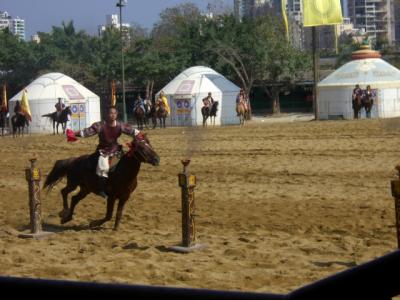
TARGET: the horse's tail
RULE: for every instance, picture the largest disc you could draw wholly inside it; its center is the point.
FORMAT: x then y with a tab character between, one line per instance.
59	171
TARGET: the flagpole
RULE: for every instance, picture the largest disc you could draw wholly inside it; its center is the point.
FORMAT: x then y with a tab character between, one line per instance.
315	69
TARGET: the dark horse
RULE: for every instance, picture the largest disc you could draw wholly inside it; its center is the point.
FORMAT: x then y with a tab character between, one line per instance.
367	103
3	119
357	105
62	118
205	111
213	112
140	117
152	114
161	114
80	171
19	121
209	112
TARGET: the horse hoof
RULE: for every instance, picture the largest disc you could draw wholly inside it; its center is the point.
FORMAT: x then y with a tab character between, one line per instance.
95	224
66	219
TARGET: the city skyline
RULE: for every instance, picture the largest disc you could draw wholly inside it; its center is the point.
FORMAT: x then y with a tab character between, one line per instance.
41	15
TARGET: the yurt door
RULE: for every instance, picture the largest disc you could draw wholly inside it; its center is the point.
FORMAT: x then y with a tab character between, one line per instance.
182	112
78	117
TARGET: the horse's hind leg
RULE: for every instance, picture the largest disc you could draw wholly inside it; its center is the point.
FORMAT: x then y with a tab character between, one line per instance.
64	192
120	209
110	209
67	216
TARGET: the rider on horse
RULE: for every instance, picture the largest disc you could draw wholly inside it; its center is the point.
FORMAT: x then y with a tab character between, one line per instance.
59	106
241	98
208	101
108	131
357	92
162	100
139	102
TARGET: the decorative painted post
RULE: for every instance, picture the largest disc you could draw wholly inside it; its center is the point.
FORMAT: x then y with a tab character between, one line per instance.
187	183
33	176
395	184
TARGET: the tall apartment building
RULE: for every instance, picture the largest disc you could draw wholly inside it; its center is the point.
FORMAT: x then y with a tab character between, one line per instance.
251	8
15	25
112	21
375	16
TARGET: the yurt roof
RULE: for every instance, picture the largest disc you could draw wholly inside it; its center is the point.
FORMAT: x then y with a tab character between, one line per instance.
370	71
203	79
53	86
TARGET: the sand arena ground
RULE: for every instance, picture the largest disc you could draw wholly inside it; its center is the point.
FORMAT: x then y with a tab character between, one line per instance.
279	205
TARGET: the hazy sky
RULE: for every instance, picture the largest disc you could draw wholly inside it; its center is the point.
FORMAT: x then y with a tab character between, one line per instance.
40	15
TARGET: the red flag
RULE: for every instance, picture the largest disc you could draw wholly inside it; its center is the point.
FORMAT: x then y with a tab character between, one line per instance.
71	136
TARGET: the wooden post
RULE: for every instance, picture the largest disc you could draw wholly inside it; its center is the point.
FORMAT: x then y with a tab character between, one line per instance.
395	185
187	183
33	176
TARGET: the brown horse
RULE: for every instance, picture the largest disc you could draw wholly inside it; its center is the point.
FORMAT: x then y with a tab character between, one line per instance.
241	110
367	103
357	105
122	180
161	113
140	117
205	112
19	121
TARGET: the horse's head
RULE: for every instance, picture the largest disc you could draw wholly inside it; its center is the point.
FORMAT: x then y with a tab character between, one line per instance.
141	148
68	110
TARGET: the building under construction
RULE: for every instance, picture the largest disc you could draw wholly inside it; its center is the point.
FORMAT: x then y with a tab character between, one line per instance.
376	17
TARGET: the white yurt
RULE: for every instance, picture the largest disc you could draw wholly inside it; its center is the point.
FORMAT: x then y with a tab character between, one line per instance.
42	96
334	93
187	90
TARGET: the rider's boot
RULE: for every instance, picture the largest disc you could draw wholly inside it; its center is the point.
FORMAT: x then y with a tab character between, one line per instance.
102	184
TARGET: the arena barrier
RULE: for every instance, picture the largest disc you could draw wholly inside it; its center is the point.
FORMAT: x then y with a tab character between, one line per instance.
373	280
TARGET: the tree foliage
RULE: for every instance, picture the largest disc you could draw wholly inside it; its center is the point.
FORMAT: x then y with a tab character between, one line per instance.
249	52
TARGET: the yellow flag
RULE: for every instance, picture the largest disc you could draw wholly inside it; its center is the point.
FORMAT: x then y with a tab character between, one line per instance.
113	96
322	12
285	20
25	106
4	101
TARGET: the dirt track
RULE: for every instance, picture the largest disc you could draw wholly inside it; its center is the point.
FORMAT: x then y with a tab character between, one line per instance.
279	206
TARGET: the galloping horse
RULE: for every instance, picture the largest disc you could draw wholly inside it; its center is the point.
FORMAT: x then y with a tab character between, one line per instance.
205	111
161	114
140	116
213	112
80	171
242	112
62	118
19	121
357	105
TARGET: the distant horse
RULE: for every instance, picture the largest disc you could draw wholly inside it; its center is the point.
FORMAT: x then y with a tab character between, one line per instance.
122	181
357	105
213	112
205	111
161	114
3	119
367	103
140	117
19	121
58	119
241	110
152	114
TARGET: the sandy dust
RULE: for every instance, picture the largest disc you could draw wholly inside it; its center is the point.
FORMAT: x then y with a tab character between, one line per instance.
279	205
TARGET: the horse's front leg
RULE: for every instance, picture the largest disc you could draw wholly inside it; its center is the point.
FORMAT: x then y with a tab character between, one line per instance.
110	209
120	209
